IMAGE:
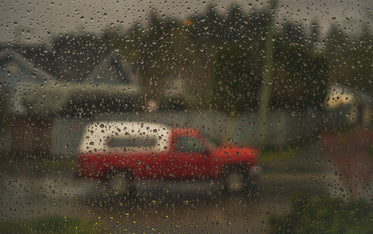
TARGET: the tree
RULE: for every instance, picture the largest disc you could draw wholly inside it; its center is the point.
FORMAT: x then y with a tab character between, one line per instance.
350	59
300	77
314	37
293	33
75	55
237	79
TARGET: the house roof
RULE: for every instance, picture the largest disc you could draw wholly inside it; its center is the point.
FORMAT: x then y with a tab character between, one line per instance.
112	70
17	75
33	74
110	81
35	91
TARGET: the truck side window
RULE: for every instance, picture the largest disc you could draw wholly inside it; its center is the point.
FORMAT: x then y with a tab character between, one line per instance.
134	143
188	144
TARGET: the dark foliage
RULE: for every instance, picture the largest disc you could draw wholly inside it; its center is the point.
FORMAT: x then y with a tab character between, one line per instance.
326	215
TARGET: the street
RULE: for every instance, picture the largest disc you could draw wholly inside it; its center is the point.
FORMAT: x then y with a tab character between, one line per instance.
163	206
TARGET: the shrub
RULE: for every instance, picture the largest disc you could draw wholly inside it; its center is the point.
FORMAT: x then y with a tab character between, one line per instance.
325	215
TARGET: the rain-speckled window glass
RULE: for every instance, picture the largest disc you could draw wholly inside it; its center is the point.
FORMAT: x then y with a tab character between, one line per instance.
186	116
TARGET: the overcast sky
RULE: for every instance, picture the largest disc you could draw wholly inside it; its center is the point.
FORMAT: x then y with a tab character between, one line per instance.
40	20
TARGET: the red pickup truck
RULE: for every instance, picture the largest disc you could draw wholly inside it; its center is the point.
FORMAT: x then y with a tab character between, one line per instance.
121	152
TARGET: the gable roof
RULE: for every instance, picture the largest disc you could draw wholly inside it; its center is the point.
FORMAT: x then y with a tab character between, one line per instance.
13	62
111	85
112	70
17	76
32	90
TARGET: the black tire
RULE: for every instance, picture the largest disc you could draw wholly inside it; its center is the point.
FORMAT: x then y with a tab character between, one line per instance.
253	188
234	180
237	180
120	184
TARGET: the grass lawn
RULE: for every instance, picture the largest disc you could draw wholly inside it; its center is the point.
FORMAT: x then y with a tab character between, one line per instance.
269	155
50	224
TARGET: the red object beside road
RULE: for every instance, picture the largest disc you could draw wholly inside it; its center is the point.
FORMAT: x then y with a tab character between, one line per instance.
179	154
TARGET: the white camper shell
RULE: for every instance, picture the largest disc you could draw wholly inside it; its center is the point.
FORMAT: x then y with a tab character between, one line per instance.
117	136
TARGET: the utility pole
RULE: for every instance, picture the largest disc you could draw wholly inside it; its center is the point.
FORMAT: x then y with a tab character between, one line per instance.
265	93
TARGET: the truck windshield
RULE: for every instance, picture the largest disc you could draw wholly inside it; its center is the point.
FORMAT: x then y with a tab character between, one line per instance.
189	144
209	141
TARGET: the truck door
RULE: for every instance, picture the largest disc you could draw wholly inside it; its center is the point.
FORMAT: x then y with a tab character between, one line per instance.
190	158
139	155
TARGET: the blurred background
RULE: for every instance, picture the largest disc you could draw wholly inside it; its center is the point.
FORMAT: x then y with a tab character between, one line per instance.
293	79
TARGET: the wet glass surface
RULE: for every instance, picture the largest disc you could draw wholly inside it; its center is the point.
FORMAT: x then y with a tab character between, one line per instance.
190	116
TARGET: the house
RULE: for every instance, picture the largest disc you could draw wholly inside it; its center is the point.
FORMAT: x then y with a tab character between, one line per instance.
348	105
36	101
110	88
18	74
25	132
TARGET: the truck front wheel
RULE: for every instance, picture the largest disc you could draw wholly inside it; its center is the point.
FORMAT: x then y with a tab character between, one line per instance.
239	180
234	180
120	183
